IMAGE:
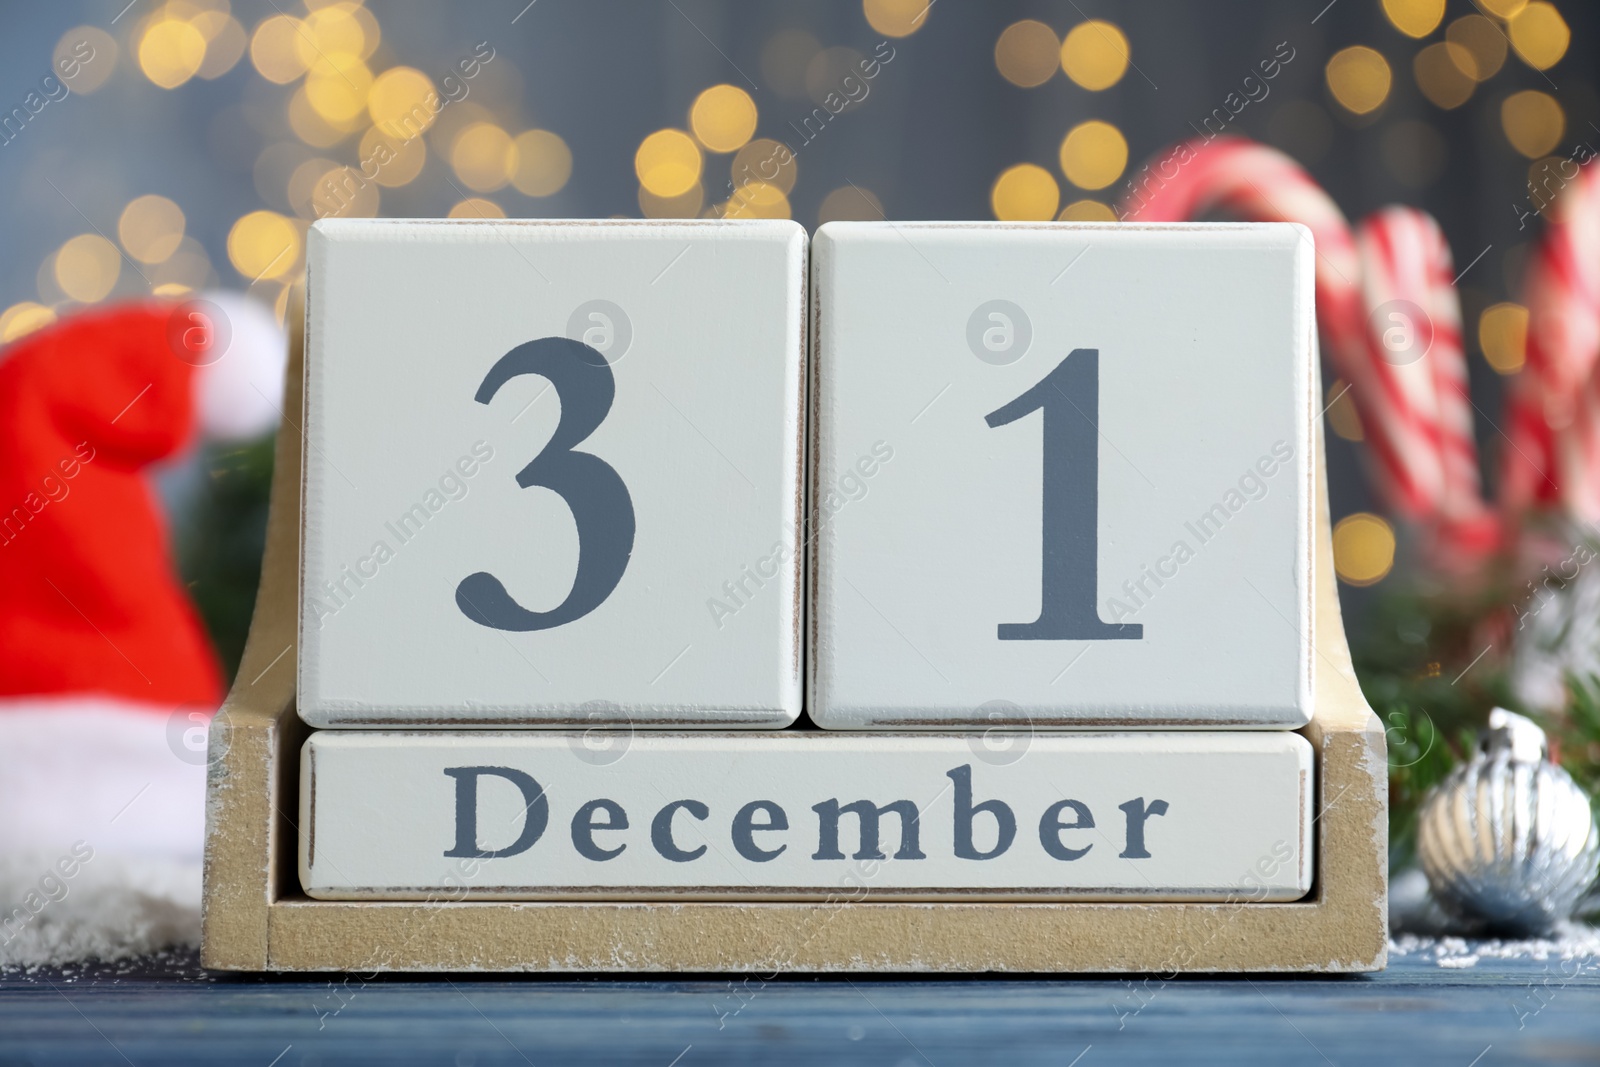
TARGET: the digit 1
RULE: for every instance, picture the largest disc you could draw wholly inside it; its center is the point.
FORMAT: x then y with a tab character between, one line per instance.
1069	398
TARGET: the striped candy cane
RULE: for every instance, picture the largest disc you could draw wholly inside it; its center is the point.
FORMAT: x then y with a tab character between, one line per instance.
1554	408
1400	406
1414	316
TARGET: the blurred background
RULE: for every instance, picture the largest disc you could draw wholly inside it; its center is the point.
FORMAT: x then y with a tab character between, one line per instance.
163	148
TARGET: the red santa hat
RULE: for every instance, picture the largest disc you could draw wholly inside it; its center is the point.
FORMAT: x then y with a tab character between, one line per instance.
105	666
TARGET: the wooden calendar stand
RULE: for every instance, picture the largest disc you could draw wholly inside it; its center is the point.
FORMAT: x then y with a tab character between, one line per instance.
256	918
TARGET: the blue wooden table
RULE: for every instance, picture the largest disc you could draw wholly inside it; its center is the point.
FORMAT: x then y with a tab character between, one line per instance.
1495	1011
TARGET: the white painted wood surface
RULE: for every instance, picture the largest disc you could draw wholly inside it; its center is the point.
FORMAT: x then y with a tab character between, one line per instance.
1175	816
928	530
411	484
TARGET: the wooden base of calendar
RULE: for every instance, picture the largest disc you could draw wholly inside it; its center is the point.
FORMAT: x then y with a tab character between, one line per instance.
256	918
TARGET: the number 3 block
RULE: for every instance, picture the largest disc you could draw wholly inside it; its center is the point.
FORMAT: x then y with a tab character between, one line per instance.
1062	475
552	474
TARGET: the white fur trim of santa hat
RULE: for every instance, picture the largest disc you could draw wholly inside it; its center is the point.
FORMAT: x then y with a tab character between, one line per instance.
240	393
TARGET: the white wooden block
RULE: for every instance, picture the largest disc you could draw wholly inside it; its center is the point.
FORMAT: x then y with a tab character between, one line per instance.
536	454
1062	475
539	814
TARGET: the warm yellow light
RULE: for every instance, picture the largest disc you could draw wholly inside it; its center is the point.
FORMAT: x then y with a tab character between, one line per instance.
21	319
1503	336
310	126
1095	54
391	161
686	206
1359	78
170	52
668	163
723	117
1440	70
1343	418
1414	18
1094	154
475	207
1087	211
1363	548
757	200
337	90
483	157
851	203
264	244
765	160
1028	53
1482	44
544	163
398	101
85	58
1533	122
87	267
1503	9
273	51
1540	35
1025	192
329	35
226	42
189	266
321	189
896	18
151	228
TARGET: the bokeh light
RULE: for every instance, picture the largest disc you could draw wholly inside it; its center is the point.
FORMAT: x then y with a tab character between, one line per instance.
1363	548
273	49
896	18
484	157
226	42
1087	210
264	244
171	51
151	228
311	126
398	101
1343	418
476	207
87	267
1442	73
1025	193
1414	18
392	161
851	203
1539	35
1533	122
1503	336
668	163
1093	154
543	163
1482	46
757	200
685	206
85	57
723	118
1095	54
1028	53
766	160
21	319
1503	9
1359	78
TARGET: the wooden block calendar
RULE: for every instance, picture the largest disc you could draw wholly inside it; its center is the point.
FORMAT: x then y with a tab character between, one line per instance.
571	822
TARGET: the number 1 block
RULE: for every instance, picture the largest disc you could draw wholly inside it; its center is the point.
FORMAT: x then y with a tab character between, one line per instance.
552	474
1062	476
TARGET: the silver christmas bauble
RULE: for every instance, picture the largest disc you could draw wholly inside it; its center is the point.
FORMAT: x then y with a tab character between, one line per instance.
1507	840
